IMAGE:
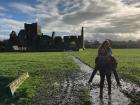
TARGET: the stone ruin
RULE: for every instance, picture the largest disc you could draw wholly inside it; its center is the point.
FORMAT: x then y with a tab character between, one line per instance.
32	39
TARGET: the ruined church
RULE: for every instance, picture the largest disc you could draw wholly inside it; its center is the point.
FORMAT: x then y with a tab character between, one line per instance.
32	39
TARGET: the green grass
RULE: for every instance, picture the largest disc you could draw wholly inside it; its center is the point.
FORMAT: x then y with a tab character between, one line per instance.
36	64
85	96
56	65
128	61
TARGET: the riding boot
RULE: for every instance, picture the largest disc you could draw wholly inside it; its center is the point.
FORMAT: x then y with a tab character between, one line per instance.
109	90
102	78
109	83
101	92
117	77
101	89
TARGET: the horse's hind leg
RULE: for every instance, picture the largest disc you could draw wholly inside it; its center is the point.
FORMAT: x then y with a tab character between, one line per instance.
102	78
108	77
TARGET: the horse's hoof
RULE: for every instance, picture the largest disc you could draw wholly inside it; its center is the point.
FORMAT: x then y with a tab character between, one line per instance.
109	95
101	96
119	85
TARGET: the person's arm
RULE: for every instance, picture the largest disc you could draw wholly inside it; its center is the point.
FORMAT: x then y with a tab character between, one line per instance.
109	51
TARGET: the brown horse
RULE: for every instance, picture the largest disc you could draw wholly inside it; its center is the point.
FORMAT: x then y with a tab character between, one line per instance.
105	67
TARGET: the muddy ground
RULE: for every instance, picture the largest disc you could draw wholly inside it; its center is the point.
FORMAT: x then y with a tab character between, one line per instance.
69	91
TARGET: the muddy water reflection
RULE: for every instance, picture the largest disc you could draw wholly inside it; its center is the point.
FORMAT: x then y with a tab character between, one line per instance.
117	97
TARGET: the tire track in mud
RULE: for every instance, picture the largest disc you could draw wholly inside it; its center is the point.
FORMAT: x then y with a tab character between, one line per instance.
70	94
117	97
64	92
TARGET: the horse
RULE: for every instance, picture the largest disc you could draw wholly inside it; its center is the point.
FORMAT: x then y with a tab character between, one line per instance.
105	65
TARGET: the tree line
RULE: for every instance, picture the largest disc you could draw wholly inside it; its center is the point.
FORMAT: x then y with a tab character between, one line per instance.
114	44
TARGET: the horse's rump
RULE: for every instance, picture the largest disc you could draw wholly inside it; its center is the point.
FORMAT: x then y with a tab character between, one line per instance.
105	64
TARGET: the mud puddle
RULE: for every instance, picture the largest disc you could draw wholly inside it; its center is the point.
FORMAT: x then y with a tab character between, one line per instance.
117	97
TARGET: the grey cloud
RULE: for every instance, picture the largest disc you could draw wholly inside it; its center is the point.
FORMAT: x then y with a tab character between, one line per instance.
70	16
125	24
69	6
130	2
81	17
92	12
111	36
24	8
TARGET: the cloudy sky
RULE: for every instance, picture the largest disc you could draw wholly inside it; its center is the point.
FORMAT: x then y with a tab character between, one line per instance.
102	19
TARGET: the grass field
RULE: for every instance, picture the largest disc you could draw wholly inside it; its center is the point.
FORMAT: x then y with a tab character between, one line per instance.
37	64
54	66
128	61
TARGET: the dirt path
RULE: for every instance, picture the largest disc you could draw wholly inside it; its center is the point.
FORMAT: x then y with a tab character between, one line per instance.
55	91
117	97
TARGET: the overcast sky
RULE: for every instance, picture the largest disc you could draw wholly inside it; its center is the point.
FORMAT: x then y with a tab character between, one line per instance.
102	19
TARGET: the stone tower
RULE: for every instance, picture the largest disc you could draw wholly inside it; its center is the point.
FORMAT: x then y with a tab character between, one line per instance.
32	31
82	37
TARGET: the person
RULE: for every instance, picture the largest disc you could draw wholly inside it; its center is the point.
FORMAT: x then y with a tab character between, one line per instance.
112	60
106	64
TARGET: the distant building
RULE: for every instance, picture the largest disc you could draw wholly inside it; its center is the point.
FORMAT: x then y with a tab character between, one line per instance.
32	31
32	39
81	39
73	42
22	37
66	42
13	41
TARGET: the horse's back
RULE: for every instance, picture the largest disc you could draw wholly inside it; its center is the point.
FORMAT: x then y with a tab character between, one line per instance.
105	65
